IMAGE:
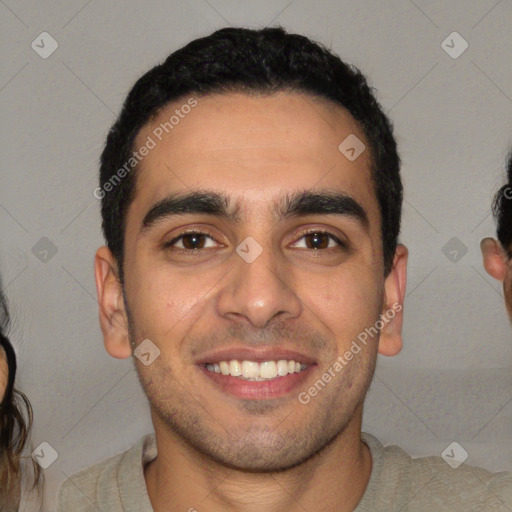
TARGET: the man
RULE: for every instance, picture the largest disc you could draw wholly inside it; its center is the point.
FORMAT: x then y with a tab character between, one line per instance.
497	254
251	204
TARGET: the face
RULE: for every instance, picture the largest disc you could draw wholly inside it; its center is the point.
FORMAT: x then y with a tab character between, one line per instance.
270	279
498	265
4	373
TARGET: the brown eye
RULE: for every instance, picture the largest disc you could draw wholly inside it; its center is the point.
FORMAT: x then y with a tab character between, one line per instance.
318	239
193	241
190	241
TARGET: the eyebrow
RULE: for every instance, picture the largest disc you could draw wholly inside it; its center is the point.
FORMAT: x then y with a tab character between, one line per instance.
294	204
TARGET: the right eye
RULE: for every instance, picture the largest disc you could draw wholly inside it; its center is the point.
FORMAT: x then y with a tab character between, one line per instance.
190	241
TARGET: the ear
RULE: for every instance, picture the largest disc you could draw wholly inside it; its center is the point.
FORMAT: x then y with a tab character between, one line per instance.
113	318
495	262
390	342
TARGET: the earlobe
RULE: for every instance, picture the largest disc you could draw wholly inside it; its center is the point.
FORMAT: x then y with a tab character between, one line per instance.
390	342
494	258
112	314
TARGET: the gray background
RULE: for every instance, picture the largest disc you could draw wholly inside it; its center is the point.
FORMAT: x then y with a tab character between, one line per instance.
453	379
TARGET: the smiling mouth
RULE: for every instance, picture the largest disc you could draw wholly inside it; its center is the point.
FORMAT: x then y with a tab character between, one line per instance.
254	371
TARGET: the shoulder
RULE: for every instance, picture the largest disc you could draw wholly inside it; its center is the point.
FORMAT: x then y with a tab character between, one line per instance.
417	482
97	486
81	490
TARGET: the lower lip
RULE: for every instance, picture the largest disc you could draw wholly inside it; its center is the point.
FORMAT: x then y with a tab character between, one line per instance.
261	389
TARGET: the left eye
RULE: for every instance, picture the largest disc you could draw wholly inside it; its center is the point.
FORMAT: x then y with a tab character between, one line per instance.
191	241
320	240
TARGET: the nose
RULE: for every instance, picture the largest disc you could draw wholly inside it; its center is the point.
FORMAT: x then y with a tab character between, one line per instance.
259	290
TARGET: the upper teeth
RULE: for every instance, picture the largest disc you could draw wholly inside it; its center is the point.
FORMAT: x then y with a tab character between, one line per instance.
252	370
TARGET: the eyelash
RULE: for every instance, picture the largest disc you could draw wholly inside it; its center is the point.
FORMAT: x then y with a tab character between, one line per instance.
302	234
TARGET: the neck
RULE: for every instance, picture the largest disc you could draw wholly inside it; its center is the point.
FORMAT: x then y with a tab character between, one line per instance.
334	479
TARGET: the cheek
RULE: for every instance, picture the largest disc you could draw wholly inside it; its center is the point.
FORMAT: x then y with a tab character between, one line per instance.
346	302
165	302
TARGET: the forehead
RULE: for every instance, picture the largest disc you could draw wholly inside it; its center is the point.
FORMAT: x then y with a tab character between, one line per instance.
253	149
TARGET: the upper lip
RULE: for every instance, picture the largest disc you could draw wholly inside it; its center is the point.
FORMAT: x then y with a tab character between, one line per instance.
256	354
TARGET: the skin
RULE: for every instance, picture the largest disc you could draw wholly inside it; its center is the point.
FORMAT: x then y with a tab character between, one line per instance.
218	452
498	265
4	373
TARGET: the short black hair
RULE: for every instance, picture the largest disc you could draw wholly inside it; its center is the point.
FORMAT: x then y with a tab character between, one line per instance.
262	61
502	210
